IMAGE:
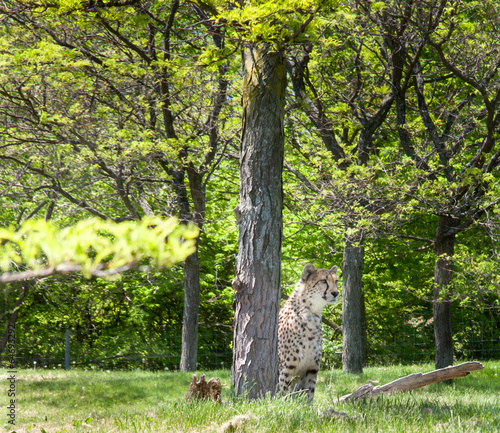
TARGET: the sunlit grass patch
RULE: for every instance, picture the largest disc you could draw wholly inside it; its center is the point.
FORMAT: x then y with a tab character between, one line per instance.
141	401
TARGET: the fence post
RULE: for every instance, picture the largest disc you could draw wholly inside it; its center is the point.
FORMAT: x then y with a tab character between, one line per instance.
66	355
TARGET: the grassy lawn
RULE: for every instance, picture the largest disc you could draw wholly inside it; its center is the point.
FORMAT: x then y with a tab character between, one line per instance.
100	401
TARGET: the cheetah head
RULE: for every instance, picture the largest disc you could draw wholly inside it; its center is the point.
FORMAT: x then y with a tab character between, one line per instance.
320	286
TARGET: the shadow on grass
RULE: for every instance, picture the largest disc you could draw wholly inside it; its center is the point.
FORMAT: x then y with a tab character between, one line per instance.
102	389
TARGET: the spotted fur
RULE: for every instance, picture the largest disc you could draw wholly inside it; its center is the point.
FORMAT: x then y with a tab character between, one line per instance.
299	329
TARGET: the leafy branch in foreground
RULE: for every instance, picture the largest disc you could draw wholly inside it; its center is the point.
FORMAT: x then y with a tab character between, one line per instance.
93	246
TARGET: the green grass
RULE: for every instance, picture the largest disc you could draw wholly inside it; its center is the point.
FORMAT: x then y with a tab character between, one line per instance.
99	401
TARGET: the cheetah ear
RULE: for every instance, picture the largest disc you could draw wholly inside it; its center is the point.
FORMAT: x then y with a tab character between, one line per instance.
308	271
333	270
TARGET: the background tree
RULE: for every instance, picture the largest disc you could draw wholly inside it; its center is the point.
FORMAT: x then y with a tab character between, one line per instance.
107	110
390	38
347	115
95	70
455	157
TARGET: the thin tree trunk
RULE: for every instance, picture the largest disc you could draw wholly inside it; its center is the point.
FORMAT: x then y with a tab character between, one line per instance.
444	247
352	332
189	352
13	317
192	279
191	265
259	216
364	336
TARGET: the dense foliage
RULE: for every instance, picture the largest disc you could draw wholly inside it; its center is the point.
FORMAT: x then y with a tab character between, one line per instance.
120	110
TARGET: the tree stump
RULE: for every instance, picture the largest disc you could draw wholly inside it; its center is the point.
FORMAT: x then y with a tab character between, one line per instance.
203	390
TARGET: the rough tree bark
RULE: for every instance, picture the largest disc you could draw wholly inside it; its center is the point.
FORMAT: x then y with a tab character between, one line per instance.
444	245
352	303
259	217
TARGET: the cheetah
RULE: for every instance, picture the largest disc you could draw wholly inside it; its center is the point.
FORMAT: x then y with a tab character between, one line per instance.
299	329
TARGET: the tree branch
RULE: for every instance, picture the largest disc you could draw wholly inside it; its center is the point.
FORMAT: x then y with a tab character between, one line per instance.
10	277
301	177
314	110
142	54
83	204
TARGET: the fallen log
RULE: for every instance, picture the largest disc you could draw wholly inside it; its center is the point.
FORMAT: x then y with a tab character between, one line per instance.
413	381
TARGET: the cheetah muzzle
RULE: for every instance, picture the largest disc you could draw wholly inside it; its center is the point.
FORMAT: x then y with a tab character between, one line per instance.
299	329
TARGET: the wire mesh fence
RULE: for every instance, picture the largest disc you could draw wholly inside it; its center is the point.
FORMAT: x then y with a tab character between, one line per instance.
409	339
122	350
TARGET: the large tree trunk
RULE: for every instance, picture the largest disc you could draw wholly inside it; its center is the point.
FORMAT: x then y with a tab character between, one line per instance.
444	246
259	216
352	305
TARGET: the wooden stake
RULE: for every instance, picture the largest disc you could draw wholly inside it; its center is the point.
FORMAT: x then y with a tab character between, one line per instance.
413	381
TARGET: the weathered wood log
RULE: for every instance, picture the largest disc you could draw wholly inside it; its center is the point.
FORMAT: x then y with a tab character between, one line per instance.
413	381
